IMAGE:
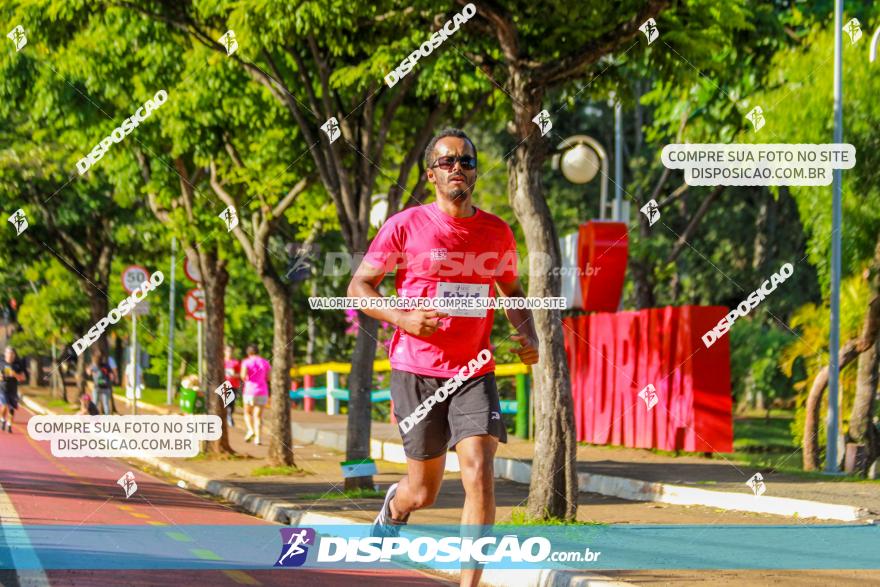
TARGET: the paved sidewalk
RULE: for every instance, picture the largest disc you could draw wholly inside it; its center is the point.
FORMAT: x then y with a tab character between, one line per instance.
641	474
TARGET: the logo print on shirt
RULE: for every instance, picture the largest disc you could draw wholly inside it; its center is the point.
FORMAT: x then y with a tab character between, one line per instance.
438	254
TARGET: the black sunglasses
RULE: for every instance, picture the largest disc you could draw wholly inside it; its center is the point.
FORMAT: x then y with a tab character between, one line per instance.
448	162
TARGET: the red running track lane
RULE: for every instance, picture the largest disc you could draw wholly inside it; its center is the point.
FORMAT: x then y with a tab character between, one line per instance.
44	489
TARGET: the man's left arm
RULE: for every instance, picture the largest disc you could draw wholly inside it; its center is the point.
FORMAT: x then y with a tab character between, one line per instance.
523	322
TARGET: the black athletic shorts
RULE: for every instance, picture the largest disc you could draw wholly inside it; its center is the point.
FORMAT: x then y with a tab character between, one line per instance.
471	410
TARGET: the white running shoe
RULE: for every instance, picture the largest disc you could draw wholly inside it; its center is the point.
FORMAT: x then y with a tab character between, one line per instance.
384	526
249	435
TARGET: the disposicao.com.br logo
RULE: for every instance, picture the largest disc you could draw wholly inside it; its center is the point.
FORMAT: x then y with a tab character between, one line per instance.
422	549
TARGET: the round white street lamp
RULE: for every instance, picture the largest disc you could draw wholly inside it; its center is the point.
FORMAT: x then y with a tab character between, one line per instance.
379	210
580	157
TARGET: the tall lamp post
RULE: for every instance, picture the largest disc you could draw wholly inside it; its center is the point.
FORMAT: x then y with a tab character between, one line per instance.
831	456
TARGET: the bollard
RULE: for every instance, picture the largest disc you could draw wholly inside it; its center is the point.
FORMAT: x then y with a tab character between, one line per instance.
308	383
332	385
522	405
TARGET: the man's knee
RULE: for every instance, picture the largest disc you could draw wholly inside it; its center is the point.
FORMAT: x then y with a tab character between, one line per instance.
423	497
478	475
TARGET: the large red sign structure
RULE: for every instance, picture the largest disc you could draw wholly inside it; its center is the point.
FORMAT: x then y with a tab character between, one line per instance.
615	355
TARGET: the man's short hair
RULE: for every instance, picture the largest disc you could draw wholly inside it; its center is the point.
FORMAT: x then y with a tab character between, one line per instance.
446	132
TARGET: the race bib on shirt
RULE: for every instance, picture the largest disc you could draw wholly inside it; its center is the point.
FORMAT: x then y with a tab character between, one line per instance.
463	290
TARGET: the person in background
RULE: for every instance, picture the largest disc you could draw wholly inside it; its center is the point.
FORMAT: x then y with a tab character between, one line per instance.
102	377
13	372
114	369
255	373
232	369
86	406
129	381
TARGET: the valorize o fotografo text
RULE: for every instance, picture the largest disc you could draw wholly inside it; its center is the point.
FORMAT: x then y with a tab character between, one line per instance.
120	311
123	130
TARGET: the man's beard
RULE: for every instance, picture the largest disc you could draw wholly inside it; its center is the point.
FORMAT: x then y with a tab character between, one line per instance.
457	193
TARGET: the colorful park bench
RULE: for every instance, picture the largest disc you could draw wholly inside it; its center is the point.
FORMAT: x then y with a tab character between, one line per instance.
334	394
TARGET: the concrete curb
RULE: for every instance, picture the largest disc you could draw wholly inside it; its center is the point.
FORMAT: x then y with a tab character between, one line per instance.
289	514
622	487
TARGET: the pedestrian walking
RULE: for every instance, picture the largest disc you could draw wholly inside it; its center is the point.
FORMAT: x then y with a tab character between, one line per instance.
255	374
102	377
232	369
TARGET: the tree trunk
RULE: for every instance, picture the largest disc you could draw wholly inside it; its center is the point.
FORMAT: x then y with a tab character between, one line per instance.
861	425
848	352
312	325
280	443
643	284
360	384
34	371
553	490
80	375
214	280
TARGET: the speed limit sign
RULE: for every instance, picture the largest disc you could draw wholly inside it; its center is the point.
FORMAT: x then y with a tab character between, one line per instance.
133	277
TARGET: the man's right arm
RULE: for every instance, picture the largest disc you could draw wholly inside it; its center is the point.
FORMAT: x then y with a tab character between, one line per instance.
416	322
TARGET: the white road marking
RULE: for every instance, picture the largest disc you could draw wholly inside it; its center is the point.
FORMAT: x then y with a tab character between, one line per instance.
24	558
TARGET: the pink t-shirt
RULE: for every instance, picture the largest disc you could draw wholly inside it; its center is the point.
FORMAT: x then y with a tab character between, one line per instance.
257	371
438	255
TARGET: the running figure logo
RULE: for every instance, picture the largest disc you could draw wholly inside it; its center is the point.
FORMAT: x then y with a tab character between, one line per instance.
294	549
18	38
226	393
229	41
230	218
128	484
652	211
756	116
19	221
331	128
757	484
543	121
853	29
649	395
649	27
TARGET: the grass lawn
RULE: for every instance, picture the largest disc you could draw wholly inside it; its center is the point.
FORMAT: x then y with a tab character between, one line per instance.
759	434
150	395
350	494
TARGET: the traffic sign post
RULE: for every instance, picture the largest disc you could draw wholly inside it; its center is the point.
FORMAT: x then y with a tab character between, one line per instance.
133	277
194	305
192	271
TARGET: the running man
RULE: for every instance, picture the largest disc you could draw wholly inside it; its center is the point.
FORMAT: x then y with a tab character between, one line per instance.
446	248
12	372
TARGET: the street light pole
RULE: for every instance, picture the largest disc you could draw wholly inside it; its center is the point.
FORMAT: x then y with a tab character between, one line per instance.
831	457
618	162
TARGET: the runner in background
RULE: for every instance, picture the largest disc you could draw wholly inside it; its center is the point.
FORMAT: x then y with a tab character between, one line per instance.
449	248
255	373
102	377
114	368
13	372
232	368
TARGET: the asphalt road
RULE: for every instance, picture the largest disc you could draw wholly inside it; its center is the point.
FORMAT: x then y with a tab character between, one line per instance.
77	504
